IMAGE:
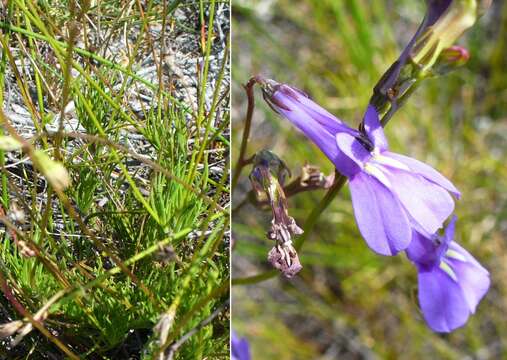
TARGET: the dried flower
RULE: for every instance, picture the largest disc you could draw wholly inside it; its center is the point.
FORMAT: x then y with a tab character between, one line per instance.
284	257
166	255
267	178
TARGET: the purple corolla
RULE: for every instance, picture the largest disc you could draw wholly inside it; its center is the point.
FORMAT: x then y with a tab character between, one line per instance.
240	349
392	195
451	281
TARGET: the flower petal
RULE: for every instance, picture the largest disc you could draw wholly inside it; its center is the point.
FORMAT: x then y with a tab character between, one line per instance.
442	301
321	115
290	104
426	171
473	278
374	129
240	348
310	127
427	203
422	251
354	151
450	230
379	216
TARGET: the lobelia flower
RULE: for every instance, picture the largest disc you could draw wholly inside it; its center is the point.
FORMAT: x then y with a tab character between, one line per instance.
240	349
392	194
451	281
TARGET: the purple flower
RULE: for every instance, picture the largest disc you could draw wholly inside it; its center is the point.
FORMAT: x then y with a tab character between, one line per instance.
240	349
392	194
451	281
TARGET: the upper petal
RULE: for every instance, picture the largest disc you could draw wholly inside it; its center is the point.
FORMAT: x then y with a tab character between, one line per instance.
379	216
374	129
442	301
450	230
428	204
426	171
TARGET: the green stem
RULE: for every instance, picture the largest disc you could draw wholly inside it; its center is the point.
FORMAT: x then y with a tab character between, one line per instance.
83	52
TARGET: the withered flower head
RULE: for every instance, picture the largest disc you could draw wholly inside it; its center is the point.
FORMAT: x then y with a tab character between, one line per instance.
267	178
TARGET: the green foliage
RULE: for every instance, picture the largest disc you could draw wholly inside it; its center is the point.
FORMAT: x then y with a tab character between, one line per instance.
141	230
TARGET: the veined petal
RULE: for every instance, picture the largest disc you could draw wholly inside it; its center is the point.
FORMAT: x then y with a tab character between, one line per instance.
374	129
331	123
442	300
428	204
426	171
381	159
311	128
290	104
379	216
451	281
324	117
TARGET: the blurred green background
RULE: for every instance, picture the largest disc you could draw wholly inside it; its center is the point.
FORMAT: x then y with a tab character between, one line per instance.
348	303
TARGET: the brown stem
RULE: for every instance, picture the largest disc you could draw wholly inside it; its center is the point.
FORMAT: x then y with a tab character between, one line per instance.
242	162
6	290
293	188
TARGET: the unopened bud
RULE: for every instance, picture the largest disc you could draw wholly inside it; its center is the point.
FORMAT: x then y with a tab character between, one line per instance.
450	59
447	23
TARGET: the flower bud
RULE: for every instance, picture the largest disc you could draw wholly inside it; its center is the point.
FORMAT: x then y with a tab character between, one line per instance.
446	22
450	59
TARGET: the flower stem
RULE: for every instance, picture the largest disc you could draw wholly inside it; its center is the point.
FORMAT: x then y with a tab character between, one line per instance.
311	221
242	162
